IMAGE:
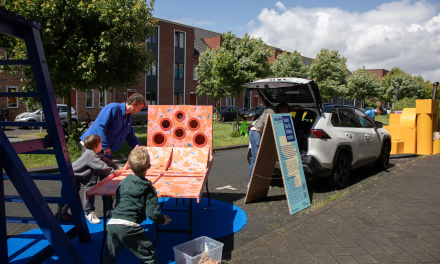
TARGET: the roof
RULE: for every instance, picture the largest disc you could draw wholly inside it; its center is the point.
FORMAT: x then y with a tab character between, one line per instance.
199	34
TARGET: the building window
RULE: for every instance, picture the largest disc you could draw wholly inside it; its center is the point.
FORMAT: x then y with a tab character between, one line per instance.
230	101
194	72
178	99
150	98
179	38
178	70
12	101
152	72
102	99
89	99
153	39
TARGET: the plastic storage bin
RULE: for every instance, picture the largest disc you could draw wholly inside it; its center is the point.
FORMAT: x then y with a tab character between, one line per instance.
202	250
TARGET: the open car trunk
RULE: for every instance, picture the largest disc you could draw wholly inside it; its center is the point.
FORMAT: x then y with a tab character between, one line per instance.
303	97
303	120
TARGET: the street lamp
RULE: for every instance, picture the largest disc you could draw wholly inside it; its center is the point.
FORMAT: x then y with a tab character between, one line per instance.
434	90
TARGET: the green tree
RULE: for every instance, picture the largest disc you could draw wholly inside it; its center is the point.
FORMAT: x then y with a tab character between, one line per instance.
402	83
289	65
207	84
363	84
237	61
329	71
88	44
427	90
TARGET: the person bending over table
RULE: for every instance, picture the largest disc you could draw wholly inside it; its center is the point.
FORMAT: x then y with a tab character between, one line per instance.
135	197
114	126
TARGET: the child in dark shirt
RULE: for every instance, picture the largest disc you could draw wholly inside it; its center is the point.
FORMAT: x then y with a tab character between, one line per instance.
91	161
135	197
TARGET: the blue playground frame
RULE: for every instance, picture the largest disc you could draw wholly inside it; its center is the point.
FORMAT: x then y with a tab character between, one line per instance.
59	242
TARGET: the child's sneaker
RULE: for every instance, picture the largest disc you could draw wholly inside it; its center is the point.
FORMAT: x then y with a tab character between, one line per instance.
64	217
93	219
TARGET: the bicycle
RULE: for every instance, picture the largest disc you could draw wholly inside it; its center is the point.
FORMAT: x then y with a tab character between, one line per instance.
67	136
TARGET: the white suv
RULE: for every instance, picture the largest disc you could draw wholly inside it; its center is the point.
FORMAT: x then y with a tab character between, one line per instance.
332	138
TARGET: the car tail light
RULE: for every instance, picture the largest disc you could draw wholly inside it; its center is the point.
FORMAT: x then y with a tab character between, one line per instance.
319	133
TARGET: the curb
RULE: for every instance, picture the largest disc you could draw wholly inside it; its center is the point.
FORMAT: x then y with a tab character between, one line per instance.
55	169
301	219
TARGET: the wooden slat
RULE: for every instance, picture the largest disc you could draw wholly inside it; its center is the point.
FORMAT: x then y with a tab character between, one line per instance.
31	145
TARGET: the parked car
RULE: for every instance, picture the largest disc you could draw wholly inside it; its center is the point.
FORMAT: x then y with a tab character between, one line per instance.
253	112
141	117
38	116
229	113
333	139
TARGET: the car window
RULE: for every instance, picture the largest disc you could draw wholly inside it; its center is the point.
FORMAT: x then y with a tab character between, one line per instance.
232	109
335	118
363	119
62	108
347	118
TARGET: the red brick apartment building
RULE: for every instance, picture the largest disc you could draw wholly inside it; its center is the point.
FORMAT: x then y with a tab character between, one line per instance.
380	73
171	81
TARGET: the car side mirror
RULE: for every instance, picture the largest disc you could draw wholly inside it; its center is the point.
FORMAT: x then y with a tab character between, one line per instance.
378	124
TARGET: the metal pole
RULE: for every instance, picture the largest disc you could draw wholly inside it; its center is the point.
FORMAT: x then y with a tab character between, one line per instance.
434	90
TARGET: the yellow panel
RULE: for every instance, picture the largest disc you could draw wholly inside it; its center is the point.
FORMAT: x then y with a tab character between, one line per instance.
408	118
397	147
427	106
395	120
424	134
394	132
408	136
436	147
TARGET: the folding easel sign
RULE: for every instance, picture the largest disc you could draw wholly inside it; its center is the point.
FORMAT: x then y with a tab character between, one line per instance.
279	140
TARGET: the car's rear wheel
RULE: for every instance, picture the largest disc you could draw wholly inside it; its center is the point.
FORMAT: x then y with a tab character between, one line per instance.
222	118
341	172
74	121
384	159
34	127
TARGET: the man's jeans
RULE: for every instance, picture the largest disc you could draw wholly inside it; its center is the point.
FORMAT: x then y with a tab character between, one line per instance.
89	204
255	139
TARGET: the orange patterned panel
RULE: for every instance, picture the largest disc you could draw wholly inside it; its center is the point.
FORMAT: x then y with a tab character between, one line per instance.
160	157
179	126
180	187
189	159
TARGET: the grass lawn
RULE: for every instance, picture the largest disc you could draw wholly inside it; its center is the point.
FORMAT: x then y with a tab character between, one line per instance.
222	137
383	118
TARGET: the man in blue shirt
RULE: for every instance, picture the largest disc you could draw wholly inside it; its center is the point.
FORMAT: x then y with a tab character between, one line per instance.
372	113
113	124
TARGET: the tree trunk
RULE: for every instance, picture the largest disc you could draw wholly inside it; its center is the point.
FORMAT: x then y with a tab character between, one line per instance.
238	112
69	113
217	102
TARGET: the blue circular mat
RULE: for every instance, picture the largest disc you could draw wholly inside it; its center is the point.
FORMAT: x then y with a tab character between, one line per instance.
215	221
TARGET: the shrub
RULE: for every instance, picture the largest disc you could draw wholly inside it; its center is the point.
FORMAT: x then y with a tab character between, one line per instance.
235	133
404	103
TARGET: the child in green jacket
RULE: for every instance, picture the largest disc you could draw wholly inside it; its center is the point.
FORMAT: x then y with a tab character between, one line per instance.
135	197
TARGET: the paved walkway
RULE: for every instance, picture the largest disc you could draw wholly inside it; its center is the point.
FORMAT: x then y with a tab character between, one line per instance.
394	219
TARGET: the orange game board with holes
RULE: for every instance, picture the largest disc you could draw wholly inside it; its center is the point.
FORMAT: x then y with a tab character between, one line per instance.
180	146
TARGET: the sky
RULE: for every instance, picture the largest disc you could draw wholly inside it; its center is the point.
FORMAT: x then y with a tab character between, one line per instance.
375	34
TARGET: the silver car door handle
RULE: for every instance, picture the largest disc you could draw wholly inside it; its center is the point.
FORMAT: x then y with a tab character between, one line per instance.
367	136
348	135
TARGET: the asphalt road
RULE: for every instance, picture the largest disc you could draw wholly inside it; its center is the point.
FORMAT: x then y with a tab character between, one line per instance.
227	182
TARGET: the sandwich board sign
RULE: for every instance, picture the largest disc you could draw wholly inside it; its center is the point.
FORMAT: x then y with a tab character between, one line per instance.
279	141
